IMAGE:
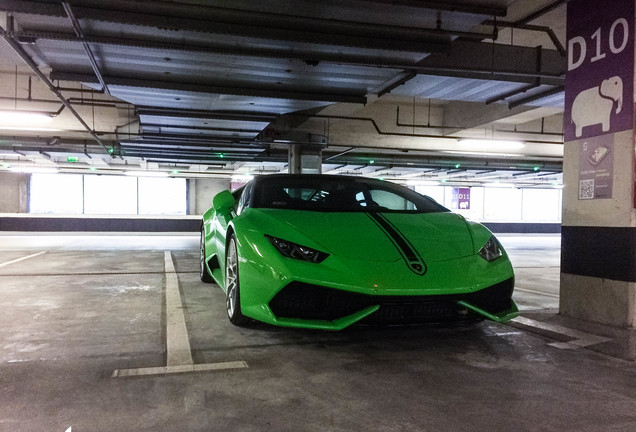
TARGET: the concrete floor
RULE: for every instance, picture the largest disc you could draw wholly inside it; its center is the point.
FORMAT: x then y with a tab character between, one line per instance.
91	305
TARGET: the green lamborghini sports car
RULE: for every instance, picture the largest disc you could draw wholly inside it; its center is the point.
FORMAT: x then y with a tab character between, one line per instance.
325	252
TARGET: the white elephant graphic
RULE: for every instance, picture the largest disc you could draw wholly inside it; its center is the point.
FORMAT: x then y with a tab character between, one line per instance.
595	105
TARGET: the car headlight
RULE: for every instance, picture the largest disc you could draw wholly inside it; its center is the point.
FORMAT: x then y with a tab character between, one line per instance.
296	251
491	250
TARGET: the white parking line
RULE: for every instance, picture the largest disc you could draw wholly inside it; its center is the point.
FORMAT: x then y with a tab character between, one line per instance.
165	370
177	341
22	259
179	353
580	339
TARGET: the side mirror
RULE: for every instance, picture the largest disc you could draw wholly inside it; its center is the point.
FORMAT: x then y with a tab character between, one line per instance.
223	202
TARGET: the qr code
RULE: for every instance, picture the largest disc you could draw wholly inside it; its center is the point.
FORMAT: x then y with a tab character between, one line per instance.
586	189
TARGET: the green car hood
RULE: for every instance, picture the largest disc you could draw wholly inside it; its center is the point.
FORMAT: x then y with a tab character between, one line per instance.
373	236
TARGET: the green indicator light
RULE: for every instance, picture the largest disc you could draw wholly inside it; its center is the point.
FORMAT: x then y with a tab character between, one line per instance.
93	169
371	161
174	172
72	159
457	165
110	150
536	168
443	181
381	178
221	155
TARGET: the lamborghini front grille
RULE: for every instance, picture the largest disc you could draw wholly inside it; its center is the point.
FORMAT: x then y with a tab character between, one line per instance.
306	301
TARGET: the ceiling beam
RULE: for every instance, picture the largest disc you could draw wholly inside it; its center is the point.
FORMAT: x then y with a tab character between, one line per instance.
497	62
259	24
246	116
451	6
486	61
266	92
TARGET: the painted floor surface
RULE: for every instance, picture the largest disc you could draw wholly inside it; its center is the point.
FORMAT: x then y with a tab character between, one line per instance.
91	305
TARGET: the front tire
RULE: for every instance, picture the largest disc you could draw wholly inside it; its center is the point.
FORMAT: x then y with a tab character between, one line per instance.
203	271
233	291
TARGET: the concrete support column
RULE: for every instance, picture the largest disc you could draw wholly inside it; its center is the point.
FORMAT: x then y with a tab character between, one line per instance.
14	192
201	191
305	159
598	258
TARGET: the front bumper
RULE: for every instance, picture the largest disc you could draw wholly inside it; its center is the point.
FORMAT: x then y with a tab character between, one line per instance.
341	291
305	302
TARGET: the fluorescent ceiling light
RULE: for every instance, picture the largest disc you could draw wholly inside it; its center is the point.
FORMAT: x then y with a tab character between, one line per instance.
30	129
24	117
147	174
34	170
492	143
474	153
499	185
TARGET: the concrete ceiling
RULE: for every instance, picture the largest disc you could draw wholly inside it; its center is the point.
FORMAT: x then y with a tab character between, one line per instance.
222	88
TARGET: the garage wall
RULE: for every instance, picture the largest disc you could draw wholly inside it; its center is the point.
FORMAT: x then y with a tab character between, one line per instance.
201	192
14	192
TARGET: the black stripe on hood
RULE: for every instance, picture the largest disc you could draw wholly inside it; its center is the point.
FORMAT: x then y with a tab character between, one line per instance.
409	254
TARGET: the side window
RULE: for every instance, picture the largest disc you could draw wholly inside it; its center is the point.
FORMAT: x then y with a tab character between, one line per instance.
244	200
392	201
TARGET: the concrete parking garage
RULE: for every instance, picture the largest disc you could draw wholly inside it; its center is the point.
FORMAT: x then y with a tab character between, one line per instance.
78	308
498	109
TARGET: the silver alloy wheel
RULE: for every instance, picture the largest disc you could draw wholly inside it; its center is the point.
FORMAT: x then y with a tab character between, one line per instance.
231	277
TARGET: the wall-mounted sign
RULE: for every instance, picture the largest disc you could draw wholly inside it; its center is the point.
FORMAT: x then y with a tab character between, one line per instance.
460	199
596	167
599	86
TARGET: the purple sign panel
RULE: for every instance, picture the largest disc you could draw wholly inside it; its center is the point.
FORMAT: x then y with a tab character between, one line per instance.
599	86
460	199
596	167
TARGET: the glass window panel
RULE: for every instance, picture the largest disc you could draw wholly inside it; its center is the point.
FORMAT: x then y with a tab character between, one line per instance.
162	196
541	205
391	201
56	193
110	195
435	192
502	204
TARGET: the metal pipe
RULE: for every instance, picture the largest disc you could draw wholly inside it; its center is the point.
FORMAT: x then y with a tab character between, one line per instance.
78	31
516	92
29	61
539	96
542	11
517	25
414	135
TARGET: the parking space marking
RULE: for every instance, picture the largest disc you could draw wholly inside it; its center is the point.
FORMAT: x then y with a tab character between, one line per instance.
177	341
179	352
22	259
165	370
579	339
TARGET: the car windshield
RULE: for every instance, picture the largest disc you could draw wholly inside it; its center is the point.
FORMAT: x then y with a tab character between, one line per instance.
338	194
